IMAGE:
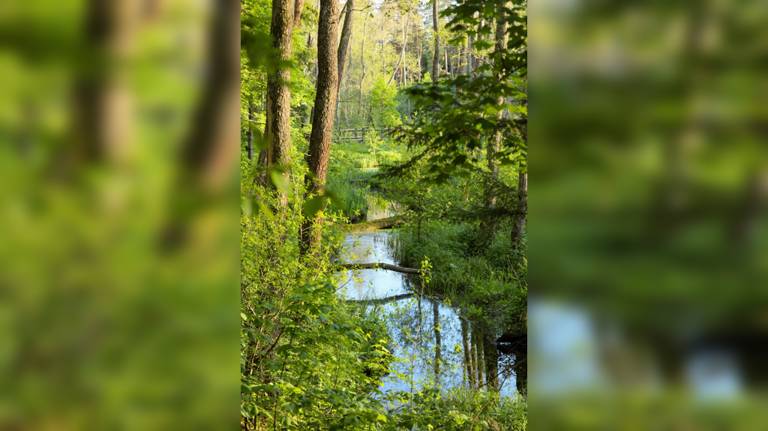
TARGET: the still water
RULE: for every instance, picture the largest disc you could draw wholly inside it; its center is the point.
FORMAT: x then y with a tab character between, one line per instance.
417	341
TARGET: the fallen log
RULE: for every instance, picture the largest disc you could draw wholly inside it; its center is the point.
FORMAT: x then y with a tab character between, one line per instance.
384	223
379	301
381	265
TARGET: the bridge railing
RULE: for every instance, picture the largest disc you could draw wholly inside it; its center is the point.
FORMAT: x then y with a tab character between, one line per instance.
358	134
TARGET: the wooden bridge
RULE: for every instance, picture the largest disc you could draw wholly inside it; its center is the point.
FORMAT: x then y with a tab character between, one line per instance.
358	135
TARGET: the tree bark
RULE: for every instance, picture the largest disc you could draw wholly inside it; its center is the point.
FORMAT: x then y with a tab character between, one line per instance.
297	9
278	128
249	134
489	224
381	265
381	301
522	207
362	68
346	35
436	28
325	105
494	146
213	141
470	57
103	105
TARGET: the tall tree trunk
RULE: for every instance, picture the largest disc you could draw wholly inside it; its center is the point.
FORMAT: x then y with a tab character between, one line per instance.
495	144
470	57
298	5
346	35
522	207
103	105
325	104
436	29
278	127
419	53
446	66
362	68
249	133
489	224
213	141
404	71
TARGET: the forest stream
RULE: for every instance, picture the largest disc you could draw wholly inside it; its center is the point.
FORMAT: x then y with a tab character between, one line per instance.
410	319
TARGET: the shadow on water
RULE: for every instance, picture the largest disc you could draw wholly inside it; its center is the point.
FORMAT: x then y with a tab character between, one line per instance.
435	345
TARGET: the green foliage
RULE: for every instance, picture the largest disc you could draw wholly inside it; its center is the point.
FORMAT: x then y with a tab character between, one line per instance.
308	361
460	410
489	286
384	104
454	120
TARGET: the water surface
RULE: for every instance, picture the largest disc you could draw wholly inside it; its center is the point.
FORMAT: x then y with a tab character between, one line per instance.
410	319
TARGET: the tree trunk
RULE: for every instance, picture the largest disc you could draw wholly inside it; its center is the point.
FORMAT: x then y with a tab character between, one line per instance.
362	68
103	105
446	66
278	128
403	69
297	8
494	146
489	224
470	57
436	28
381	265
213	141
522	207
249	133
346	35
419	53
325	104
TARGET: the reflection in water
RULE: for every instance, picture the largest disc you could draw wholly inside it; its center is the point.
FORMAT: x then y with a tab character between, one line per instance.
714	375
571	353
434	344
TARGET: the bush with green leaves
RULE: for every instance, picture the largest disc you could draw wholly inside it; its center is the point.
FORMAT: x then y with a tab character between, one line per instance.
459	409
489	286
308	360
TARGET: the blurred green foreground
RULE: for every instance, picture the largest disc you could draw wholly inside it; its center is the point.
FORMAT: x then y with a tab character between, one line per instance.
118	261
648	229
